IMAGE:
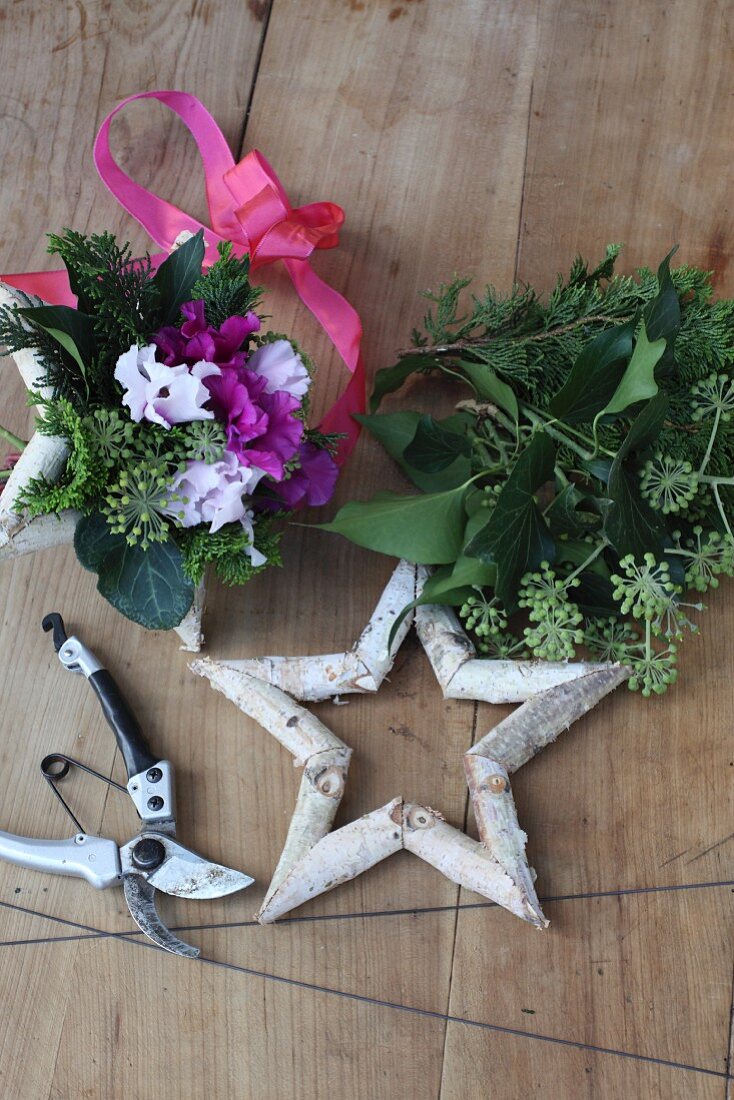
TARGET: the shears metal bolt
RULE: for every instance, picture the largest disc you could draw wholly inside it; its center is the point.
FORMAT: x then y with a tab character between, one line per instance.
148	854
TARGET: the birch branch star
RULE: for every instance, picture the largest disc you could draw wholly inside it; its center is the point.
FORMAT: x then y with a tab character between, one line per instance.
314	859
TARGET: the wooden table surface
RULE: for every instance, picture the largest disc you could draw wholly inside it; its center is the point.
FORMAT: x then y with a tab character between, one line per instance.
494	137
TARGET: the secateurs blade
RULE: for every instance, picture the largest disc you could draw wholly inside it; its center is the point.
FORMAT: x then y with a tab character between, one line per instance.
153	859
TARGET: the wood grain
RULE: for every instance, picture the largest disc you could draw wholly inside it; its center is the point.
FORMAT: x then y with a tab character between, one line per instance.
493	139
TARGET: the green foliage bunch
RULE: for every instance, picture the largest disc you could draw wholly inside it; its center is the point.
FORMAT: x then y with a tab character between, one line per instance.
584	481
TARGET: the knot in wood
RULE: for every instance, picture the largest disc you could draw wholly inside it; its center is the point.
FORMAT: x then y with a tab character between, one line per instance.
497	784
330	782
419	818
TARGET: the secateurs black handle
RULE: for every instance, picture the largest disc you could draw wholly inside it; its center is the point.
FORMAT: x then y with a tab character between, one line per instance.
125	726
133	746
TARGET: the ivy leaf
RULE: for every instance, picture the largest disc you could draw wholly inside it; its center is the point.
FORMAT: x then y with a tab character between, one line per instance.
638	381
662	313
630	524
575	552
390	379
598	468
565	515
94	540
490	387
516	537
645	429
176	276
595	595
425	529
147	586
395	431
434	447
70	328
663	317
595	375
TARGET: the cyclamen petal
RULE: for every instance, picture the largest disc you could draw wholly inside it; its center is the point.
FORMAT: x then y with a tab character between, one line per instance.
196	339
161	394
215	493
185	400
311	483
133	372
283	368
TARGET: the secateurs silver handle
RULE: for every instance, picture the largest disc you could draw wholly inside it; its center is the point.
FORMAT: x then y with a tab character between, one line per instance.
90	857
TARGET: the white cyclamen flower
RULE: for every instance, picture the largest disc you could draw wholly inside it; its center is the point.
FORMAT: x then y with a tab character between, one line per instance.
216	493
283	367
163	395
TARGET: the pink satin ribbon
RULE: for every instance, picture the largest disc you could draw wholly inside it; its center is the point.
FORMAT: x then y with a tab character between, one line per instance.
247	206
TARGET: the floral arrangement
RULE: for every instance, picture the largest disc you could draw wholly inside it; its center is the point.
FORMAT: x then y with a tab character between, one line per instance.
184	421
583	484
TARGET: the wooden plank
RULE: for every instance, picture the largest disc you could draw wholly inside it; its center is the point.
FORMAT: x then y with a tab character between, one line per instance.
630	133
243	776
647	974
51	103
658	816
162	1030
366	74
519	1068
415	117
625	143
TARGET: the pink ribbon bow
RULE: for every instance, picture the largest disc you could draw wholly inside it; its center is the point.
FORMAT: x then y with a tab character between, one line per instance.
247	206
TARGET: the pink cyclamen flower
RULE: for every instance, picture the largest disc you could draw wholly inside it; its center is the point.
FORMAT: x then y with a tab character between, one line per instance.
312	483
161	394
283	368
196	340
216	493
261	428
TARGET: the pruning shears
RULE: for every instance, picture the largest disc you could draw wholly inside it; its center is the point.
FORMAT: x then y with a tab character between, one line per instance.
153	859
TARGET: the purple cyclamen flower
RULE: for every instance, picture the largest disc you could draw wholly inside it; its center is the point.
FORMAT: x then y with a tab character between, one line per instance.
215	493
261	428
163	395
196	340
282	366
312	483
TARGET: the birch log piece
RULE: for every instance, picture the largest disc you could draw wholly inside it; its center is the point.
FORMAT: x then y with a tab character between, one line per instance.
360	845
360	669
467	862
190	630
324	756
336	859
540	720
496	818
45	455
296	728
322	786
460	673
43	533
463	675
